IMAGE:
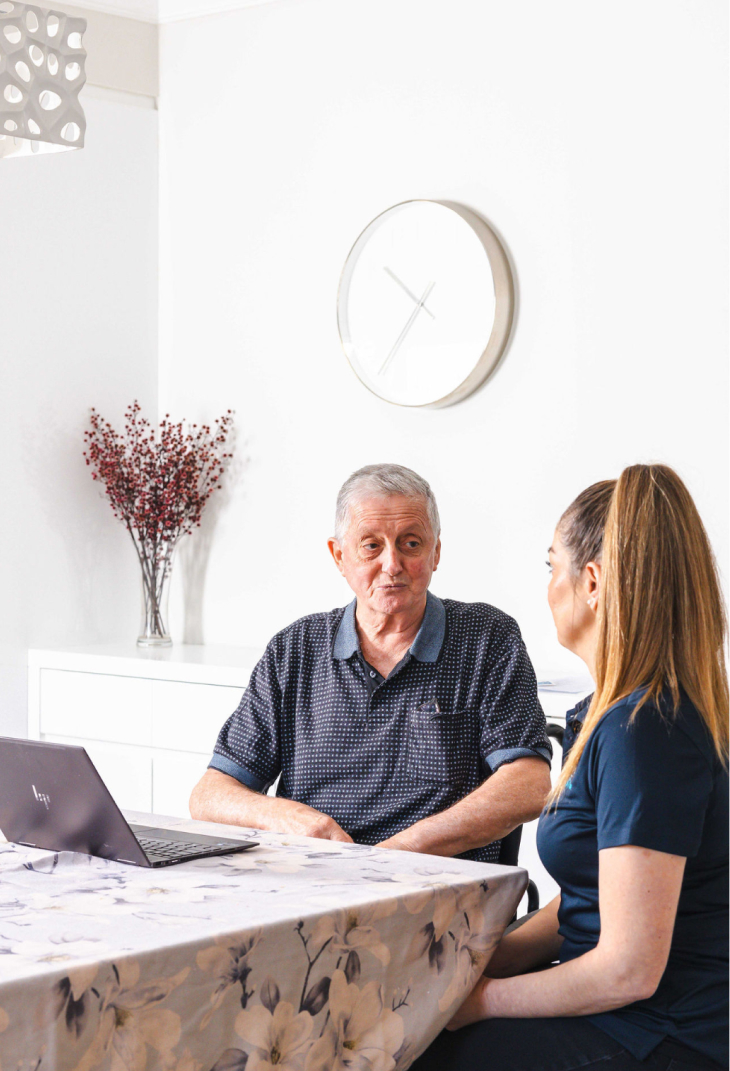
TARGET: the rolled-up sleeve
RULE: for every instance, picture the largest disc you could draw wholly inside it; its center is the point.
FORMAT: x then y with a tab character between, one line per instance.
512	722
248	745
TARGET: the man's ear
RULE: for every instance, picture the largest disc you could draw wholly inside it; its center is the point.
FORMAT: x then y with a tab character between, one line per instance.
593	584
336	551
437	554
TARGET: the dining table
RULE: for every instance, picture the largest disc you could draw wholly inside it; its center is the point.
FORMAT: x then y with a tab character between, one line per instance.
295	955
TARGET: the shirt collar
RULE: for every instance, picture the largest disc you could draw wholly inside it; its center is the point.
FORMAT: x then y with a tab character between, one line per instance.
428	642
346	641
430	638
579	711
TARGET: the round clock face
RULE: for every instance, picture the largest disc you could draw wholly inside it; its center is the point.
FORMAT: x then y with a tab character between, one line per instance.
425	303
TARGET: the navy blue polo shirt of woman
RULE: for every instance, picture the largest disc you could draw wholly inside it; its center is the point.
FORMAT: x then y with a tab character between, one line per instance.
655	781
636	831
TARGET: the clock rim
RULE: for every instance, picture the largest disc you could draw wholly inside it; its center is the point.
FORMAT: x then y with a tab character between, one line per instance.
504	297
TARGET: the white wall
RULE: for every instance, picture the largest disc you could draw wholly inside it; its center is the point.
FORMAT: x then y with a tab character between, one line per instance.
78	327
592	136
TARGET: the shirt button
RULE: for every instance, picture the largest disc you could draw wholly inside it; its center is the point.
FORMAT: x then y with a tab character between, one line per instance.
372	672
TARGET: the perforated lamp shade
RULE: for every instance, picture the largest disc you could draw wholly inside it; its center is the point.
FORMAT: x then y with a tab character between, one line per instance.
41	73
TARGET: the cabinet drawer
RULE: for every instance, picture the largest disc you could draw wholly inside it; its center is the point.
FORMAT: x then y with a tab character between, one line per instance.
188	717
126	771
96	706
173	779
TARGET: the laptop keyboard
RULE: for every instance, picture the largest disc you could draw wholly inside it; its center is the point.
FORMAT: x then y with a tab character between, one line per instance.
174	849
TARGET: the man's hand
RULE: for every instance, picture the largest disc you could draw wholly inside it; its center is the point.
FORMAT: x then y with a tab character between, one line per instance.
304	821
514	794
220	798
402	842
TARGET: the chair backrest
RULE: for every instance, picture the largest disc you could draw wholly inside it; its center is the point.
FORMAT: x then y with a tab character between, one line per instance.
509	849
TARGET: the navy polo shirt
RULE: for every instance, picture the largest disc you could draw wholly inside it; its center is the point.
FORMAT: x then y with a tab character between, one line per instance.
657	783
379	754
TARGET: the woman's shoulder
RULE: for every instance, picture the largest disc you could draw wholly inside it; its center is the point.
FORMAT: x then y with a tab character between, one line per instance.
652	724
654	780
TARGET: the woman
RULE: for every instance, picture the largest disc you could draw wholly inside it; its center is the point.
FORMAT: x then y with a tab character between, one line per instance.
636	829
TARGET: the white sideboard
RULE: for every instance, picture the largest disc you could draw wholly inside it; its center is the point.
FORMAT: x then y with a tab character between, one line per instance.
148	718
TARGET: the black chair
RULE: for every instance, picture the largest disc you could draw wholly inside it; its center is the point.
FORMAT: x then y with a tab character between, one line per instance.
556	731
509	853
509	850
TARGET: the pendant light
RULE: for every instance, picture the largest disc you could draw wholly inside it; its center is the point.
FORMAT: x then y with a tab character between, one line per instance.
41	73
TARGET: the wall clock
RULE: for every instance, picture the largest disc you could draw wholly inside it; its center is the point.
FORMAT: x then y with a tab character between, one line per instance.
425	303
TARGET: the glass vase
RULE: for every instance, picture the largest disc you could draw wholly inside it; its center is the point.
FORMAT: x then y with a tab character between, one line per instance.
155	600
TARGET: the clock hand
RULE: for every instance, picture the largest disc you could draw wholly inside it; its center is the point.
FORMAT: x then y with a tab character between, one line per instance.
406	329
403	286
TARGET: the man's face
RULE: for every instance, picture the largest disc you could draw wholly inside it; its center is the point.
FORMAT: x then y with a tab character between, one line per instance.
389	553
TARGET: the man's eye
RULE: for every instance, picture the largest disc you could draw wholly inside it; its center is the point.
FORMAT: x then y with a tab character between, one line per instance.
549	566
370	546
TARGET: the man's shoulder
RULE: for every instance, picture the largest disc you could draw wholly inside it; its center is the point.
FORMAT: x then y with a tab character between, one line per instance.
480	619
312	629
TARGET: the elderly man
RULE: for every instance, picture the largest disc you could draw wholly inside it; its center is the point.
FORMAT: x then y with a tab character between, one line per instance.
402	720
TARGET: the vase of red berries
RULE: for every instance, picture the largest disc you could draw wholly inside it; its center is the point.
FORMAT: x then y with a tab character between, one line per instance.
157	481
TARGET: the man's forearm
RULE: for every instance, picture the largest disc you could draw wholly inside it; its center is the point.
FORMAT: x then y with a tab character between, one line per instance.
220	798
516	793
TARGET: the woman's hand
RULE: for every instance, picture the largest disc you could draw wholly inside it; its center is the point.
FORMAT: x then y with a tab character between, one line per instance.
474	1008
535	943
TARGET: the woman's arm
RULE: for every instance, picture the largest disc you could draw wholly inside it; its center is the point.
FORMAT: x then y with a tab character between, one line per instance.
638	891
536	943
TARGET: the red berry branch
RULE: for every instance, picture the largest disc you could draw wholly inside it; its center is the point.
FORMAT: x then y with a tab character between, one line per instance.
157	482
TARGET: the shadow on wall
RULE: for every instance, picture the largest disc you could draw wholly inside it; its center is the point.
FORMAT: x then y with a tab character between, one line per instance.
76	510
194	551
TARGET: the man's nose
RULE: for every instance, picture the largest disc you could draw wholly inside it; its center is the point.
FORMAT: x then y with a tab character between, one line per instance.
392	564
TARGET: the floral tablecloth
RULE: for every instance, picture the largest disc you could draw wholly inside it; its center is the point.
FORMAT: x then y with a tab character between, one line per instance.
298	955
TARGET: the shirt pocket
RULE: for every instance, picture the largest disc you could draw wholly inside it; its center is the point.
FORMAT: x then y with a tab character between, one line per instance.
441	747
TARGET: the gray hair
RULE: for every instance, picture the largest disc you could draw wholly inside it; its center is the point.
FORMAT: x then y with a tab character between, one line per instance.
381	480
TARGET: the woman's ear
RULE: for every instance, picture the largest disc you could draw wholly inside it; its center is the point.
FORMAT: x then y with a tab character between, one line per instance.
593	584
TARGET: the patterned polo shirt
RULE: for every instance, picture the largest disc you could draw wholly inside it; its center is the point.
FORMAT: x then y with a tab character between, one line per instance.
379	754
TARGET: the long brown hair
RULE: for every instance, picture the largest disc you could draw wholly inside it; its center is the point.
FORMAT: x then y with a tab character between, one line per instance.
582	525
661	618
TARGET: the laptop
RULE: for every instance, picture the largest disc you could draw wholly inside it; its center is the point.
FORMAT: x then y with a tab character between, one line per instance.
51	796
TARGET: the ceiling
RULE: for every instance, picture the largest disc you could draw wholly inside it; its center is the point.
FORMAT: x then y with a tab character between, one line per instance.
158	11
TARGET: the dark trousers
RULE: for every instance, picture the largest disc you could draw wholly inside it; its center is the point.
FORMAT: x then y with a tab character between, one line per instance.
548	1045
